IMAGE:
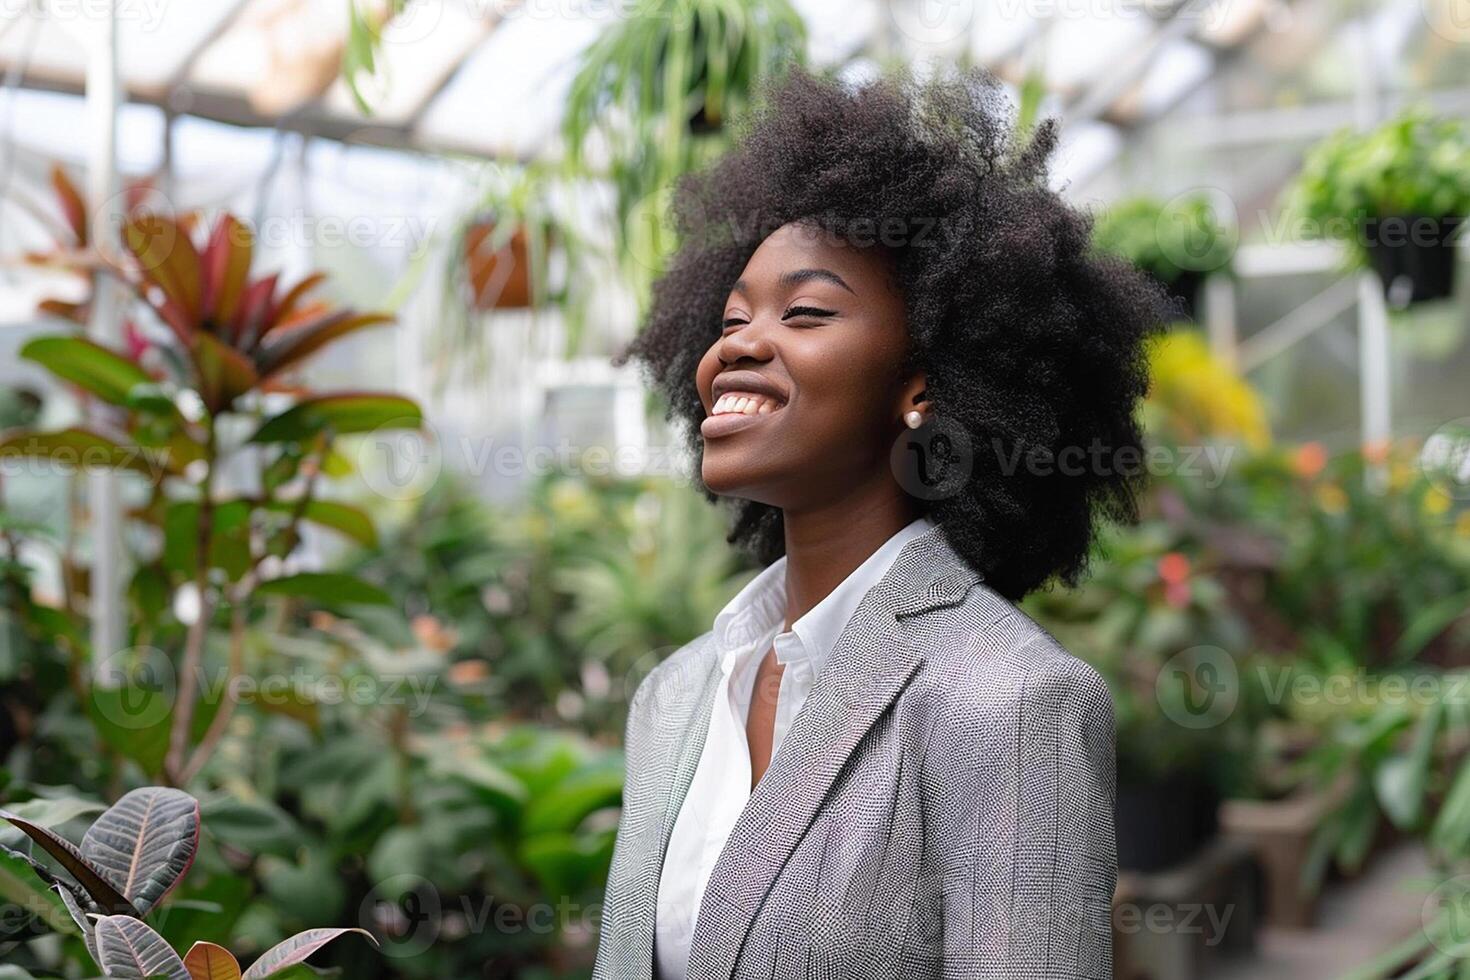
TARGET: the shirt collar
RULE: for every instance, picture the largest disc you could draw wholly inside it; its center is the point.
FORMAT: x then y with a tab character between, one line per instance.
759	609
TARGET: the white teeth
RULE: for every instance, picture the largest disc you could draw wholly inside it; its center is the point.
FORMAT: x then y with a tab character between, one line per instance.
743	404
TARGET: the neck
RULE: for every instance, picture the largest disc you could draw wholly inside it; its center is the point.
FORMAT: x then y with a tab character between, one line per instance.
825	544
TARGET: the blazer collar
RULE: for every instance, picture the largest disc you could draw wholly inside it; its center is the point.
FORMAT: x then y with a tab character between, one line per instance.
874	658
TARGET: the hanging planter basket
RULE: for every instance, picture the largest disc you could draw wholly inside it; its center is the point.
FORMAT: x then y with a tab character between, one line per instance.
1414	255
497	278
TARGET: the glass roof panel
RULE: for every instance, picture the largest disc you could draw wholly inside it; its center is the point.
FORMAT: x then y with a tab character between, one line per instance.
506	96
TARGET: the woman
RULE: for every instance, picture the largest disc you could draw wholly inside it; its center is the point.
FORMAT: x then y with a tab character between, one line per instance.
901	362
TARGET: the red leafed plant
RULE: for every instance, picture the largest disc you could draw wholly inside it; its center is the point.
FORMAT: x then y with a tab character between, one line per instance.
221	336
239	333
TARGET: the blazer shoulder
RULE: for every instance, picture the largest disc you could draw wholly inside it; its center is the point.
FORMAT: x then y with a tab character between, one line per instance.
992	653
676	674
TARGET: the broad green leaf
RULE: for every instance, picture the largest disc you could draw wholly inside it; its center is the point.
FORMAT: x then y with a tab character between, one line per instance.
133	717
341	414
145	843
229	542
354	522
88	365
130	949
23	888
254	826
76	448
326	587
1400	782
565	806
206	961
54	811
296	949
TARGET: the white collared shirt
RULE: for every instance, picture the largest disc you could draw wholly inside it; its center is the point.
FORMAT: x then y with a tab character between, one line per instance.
748	626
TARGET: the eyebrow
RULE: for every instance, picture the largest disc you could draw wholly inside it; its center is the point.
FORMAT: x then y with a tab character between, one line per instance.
798	276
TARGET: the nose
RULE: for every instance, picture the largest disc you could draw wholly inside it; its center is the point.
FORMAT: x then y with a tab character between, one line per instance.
749	341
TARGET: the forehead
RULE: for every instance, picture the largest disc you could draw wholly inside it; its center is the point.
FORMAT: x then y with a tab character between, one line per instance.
801	245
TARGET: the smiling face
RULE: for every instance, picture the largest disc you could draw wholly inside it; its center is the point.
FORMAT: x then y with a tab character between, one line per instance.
809	356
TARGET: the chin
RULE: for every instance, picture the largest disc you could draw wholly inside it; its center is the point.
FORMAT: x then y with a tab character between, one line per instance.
729	478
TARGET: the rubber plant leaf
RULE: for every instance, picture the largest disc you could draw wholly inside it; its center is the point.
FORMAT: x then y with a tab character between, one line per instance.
145	842
128	948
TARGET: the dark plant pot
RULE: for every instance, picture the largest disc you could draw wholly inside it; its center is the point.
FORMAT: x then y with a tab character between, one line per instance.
1414	255
1162	823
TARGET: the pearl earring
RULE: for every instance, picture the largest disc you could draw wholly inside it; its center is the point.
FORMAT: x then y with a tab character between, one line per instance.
914	419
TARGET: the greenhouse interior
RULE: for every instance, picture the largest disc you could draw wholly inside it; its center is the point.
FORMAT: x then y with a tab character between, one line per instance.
337	535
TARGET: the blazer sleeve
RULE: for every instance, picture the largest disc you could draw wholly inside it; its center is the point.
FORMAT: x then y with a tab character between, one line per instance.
1026	878
615	923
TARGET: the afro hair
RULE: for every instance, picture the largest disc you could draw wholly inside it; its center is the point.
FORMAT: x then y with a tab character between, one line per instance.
1032	341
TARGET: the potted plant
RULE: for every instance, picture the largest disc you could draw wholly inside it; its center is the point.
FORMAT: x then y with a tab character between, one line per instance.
1395	196
656	90
515	249
1178	242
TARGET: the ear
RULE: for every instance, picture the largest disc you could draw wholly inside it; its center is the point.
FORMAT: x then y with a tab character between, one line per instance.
914	396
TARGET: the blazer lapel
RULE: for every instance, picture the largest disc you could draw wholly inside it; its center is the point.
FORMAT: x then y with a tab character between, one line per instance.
872	661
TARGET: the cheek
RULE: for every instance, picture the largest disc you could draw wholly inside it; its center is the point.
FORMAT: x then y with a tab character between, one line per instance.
704	374
848	393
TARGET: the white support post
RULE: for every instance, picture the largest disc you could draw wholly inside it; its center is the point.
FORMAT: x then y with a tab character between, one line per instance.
1373	346
1374	389
1220	318
104	498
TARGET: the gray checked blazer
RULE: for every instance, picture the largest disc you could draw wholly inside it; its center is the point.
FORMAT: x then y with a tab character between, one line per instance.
942	805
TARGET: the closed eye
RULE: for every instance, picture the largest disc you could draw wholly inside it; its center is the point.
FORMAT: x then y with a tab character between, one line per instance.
807	311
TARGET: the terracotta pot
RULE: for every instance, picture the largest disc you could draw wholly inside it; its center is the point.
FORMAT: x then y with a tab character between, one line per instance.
498	278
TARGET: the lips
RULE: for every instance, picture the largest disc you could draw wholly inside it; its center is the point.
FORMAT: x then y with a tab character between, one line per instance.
722	425
741	399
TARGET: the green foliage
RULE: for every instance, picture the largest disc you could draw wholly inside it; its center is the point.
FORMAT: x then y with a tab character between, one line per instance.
562	599
1415	164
